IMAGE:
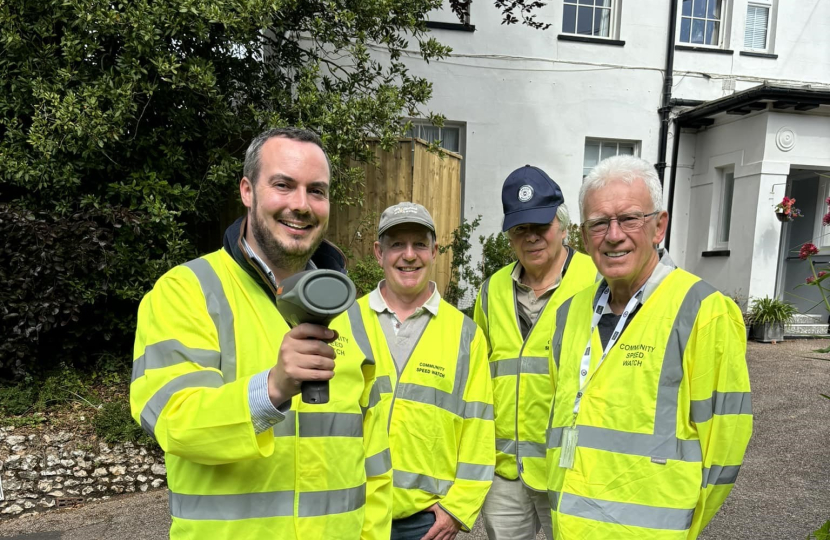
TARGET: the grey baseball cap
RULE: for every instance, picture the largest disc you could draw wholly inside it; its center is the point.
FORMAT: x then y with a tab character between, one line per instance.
405	212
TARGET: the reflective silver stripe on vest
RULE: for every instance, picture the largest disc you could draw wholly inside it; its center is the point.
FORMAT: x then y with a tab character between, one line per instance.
384	384
409	480
379	463
506	446
635	444
429	395
663	443
359	333
561	318
231	507
626	514
220	311
171	352
265	505
477	409
504	367
535	365
553	499
462	370
326	424
374	398
337	501
721	403
151	411
718	475
485	296
471	471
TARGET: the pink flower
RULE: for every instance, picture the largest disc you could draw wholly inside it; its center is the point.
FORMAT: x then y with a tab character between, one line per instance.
810	279
826	219
827	200
822	274
806	250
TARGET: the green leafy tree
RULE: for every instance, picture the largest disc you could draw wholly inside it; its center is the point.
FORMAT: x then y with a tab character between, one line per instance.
123	124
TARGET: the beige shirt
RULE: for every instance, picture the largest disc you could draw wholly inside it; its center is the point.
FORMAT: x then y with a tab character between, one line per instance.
528	304
403	336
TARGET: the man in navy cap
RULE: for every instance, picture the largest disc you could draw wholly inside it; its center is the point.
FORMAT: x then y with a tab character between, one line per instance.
515	309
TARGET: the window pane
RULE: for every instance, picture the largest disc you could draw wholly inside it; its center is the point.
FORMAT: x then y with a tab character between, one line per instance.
712	33
714	9
602	23
626	149
755	35
429	133
699	8
608	150
604	3
591	155
687	7
697	31
586	171
569	19
588	2
685	28
584	20
450	139
726	206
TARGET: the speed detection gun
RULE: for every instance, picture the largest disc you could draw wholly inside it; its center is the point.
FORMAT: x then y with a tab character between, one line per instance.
316	297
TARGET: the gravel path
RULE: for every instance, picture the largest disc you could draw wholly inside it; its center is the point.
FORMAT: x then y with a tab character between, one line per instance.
782	491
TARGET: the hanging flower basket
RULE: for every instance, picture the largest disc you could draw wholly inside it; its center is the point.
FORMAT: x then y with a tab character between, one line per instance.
786	210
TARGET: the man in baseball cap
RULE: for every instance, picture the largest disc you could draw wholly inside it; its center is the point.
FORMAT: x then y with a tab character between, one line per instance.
434	384
515	309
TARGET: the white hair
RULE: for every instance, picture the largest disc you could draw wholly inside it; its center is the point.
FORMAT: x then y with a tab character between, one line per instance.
564	216
625	168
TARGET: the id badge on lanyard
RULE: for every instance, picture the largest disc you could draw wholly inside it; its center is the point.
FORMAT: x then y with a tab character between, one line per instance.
570	434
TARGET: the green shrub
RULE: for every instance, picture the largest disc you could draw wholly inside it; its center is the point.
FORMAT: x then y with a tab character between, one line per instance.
114	424
574	238
366	273
771	310
18	399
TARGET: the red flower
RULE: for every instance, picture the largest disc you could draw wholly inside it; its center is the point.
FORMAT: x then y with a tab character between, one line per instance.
826	219
810	279
822	274
806	250
827	200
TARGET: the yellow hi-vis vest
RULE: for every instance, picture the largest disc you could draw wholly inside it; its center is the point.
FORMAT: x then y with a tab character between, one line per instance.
664	422
440	409
519	368
322	473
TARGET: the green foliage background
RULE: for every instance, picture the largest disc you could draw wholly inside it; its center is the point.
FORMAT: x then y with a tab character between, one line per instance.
122	127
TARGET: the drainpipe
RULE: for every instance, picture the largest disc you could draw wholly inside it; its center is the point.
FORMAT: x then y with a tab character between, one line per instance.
674	152
668	82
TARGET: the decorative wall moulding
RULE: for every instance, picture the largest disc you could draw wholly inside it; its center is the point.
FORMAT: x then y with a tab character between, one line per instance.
785	139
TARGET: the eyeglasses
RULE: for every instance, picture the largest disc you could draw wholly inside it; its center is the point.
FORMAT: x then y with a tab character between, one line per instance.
631	222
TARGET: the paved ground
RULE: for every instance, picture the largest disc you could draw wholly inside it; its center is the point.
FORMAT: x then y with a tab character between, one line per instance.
782	492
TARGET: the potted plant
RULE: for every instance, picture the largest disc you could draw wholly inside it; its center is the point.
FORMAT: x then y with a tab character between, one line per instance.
786	211
768	316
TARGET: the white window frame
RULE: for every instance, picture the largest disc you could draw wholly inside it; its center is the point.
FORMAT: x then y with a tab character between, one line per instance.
772	14
724	211
607	142
613	22
723	26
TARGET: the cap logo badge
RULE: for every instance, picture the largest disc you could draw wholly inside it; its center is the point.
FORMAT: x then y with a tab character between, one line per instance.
525	193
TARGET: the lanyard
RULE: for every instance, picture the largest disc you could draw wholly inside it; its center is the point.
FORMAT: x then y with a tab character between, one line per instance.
586	358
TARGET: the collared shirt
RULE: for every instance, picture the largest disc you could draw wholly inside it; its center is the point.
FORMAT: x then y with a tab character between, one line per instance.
608	321
403	336
263	413
528	304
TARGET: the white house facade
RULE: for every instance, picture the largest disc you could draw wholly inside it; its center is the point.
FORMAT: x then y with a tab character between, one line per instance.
729	98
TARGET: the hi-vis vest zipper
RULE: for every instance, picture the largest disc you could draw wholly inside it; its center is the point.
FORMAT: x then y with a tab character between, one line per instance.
522	389
663	422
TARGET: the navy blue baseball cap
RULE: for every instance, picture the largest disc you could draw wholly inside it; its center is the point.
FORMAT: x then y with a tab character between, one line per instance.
529	196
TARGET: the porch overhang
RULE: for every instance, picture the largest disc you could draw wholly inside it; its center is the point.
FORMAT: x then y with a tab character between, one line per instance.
767	96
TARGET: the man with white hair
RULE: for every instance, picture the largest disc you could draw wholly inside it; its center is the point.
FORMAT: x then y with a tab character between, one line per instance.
515	308
652	413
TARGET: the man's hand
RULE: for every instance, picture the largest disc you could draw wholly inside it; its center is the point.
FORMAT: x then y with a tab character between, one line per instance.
444	528
304	356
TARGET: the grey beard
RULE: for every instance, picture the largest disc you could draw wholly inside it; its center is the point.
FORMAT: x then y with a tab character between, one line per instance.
277	254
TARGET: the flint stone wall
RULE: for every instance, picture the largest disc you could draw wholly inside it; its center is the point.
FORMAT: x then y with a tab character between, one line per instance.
47	470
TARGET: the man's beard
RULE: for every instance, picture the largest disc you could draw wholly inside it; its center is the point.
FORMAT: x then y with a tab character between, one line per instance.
288	257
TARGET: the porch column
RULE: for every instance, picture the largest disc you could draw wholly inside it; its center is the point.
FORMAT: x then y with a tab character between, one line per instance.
770	185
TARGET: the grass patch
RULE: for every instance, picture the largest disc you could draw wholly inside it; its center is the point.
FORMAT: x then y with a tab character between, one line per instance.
113	424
